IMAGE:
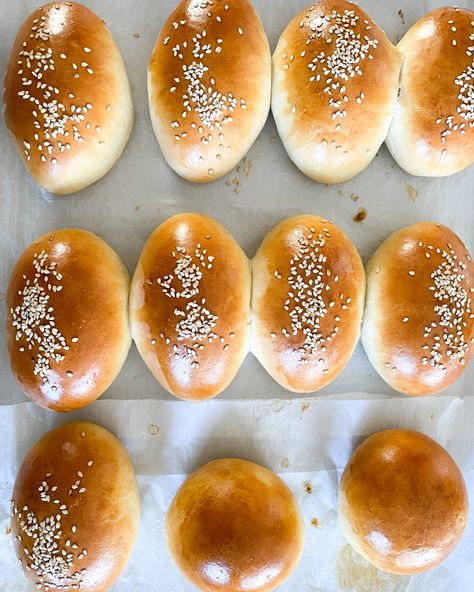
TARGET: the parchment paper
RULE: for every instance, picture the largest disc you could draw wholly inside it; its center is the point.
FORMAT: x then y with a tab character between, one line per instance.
167	439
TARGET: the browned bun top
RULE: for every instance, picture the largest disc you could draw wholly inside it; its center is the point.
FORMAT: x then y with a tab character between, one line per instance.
432	133
418	326
234	526
307	302
209	80
189	306
75	510
67	98
335	83
67	321
402	502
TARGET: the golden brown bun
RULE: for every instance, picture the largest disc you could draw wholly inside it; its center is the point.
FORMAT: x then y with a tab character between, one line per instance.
75	510
402	502
233	527
190	306
67	99
67	320
432	133
418	328
209	80
307	302
335	83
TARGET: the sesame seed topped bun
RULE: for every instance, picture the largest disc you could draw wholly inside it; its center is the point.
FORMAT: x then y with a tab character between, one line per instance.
67	99
209	80
307	302
67	320
418	328
403	502
75	510
234	526
335	83
190	306
432	133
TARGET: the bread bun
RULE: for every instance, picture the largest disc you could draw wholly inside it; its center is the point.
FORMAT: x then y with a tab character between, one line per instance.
234	526
418	328
190	306
402	502
67	99
75	510
335	83
67	320
307	302
432	133
209	81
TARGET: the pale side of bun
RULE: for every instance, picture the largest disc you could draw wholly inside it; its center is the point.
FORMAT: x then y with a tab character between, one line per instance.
75	510
402	502
67	98
67	319
335	84
418	328
307	302
432	133
234	526
190	306
209	85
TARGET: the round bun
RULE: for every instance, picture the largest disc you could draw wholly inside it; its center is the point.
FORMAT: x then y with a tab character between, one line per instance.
209	81
67	99
432	133
67	319
335	83
190	306
418	328
402	502
75	510
307	302
234	526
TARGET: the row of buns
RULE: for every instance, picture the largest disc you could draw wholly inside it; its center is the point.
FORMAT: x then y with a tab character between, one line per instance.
338	90
233	525
196	306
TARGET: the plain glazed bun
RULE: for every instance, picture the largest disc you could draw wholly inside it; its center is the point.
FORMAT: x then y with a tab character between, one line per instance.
307	302
190	306
209	85
234	526
75	510
402	502
335	83
67	319
67	99
432	133
418	328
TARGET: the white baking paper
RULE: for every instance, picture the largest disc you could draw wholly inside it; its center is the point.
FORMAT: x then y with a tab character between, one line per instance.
251	419
307	441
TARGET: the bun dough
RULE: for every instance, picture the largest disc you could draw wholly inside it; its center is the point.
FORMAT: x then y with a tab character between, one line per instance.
209	84
75	510
67	98
67	319
234	526
402	502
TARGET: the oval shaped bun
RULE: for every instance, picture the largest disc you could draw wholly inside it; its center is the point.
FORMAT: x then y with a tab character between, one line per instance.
209	80
67	319
234	526
335	83
190	306
307	302
67	99
75	510
418	328
402	502
432	133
